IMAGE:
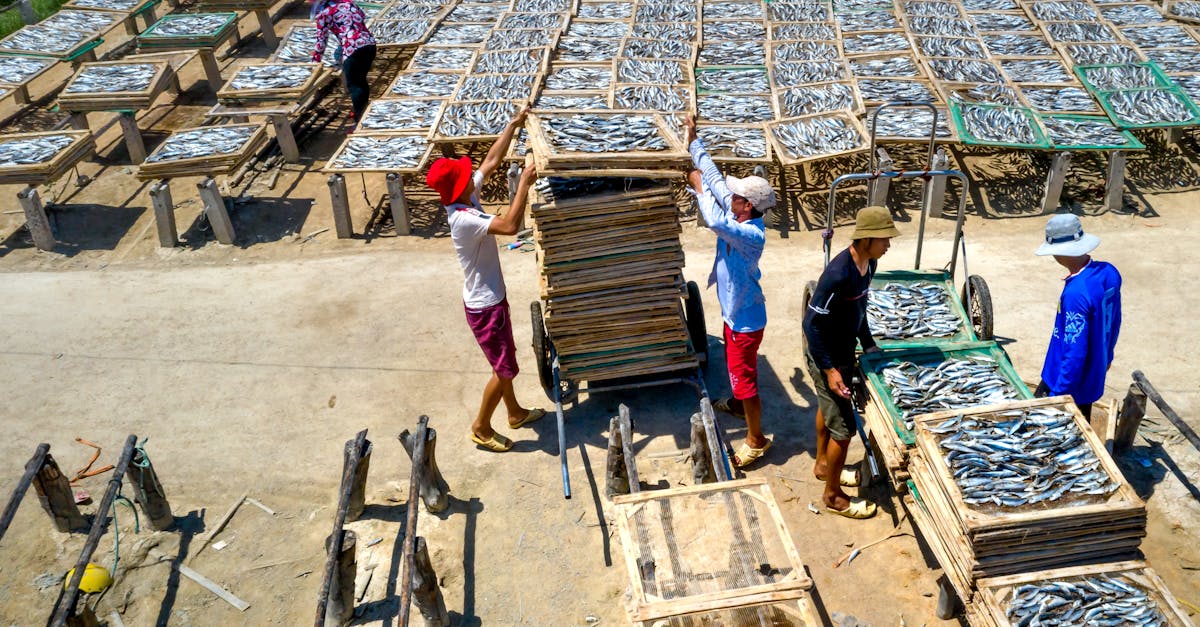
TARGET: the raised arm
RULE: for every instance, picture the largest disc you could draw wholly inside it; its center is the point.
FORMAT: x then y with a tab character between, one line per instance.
704	163
496	154
509	222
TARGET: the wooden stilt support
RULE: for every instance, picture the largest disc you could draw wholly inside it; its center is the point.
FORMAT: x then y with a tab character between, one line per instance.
879	187
341	206
425	591
148	492
35	218
133	137
267	28
21	94
1114	183
395	187
1185	429
358	492
164	214
341	590
433	489
78	121
330	591
131	27
1129	417
214	208
31	470
702	467
935	189
212	71
285	137
1059	164
616	479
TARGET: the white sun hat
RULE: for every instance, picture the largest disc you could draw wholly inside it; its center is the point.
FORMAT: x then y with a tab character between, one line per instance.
755	189
1065	237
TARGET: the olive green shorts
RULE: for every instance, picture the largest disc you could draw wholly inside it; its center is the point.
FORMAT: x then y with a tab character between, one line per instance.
837	412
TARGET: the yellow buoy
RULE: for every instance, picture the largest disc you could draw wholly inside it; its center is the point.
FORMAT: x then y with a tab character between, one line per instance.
95	579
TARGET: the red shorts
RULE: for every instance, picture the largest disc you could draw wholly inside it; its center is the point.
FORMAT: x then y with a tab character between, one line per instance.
741	358
492	327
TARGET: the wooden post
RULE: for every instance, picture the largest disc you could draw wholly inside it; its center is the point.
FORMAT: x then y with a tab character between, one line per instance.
433	489
358	493
133	137
948	603
25	8
31	470
1174	134
425	591
285	137
1059	164
54	492
335	550
1114	183
85	618
1129	417
214	208
340	609
702	467
616	479
341	206
935	189
164	214
35	218
212	71
879	187
21	94
267	28
1185	429
395	187
78	121
716	446
148	492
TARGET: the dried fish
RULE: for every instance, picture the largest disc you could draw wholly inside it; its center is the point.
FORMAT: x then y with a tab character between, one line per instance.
665	12
925	7
886	90
555	102
31	150
203	142
1036	70
1018	45
868	20
682	31
425	84
15	70
606	10
1062	99
732	10
898	66
756	29
733	80
808	99
733	53
1174	60
652	98
875	42
746	142
956	383
523	38
1108	599
271	76
910	123
658	49
409	11
1185	9
1164	36
999	124
579	77
542	6
1068	132
475	13
462	34
1063	11
401	115
965	71
799	12
951	47
510	61
987	93
400	32
1149	107
603	30
1002	22
807	72
41	40
990	5
109	5
93	22
805	51
737	108
817	136
1115	77
849	6
598	134
1129	14
381	152
587	49
473	119
435	58
1101	54
298	46
920	309
651	71
941	26
513	21
190	25
1190	84
1073	32
497	87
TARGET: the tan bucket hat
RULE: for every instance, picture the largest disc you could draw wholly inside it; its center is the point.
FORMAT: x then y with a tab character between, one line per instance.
874	221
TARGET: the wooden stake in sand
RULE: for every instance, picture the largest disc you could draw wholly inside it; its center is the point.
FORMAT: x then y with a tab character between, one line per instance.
220	525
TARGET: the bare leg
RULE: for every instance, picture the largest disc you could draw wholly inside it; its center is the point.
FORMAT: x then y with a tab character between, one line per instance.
492	393
820	468
835	458
753	409
516	413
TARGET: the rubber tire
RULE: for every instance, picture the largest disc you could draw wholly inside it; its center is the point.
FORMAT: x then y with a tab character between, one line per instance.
693	311
541	349
979	310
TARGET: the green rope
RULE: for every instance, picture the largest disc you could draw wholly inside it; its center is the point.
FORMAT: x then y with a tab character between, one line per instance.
137	528
142	461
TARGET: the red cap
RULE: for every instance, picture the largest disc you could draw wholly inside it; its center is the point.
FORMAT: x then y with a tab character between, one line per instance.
449	177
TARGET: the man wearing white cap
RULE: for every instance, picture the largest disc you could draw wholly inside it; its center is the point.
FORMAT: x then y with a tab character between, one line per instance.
733	208
1088	319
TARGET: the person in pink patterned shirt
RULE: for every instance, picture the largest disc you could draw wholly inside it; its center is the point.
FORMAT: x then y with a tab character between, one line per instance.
344	20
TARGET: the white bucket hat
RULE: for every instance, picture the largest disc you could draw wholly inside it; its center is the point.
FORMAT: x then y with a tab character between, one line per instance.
1065	237
755	189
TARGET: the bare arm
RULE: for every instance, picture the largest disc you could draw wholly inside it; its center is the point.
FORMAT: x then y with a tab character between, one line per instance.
509	222
496	154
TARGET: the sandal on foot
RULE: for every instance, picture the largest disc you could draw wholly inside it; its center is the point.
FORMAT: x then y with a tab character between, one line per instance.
748	455
859	509
532	415
726	405
497	443
850	478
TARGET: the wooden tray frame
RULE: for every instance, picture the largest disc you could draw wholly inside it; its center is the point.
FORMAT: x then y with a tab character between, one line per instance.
549	160
424	160
857	108
767	159
686	93
460	74
467	139
208	164
785	158
427	132
104	101
227	94
80	147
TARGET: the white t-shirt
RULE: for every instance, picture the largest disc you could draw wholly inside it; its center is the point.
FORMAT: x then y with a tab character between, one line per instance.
477	252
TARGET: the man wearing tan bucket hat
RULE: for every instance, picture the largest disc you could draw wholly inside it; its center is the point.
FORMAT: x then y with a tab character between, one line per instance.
835	322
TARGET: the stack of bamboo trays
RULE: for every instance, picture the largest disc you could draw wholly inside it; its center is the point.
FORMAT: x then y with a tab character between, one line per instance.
989	608
157	166
611	277
70	100
554	159
12	171
230	94
990	541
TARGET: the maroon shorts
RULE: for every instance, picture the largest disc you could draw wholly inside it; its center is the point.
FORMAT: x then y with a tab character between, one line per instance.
741	358
492	327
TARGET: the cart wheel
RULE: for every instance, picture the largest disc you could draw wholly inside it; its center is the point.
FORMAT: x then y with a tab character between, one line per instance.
979	309
693	310
541	349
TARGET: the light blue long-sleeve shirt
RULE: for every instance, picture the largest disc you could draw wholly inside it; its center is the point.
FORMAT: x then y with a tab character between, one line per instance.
739	247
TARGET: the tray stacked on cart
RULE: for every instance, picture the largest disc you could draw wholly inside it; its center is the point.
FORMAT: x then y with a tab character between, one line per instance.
604	143
1019	487
204	150
611	277
35	158
109	85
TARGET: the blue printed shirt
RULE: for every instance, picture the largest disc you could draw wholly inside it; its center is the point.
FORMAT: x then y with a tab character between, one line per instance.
1085	333
739	247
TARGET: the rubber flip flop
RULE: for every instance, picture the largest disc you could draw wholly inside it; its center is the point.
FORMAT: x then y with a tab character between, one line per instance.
850	478
532	415
748	455
859	509
497	443
726	405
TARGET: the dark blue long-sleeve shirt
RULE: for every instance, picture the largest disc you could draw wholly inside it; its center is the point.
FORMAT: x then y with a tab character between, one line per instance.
1085	333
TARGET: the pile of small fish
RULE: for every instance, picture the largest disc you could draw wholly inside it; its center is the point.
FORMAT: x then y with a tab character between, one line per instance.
406	11
665	12
1175	60
497	87
1063	11
1036	70
468	119
1090	600
683	31
401	115
899	66
966	71
532	20
542	6
921	7
15	70
732	10
791	74
1079	32
202	142
1187	8
112	78
606	10
1098	131
652	98
818	135
714	31
941	26
650	71
1101	54
579	77
734	108
1116	77
461	34
574	48
521	38
957	383
432	58
108	5
425	84
799	12
748	142
610	133
82	21
733	53
555	102
510	62
1018	45
399	32
1002	22
904	310
884	89
975	6
875	42
1129	14
270	77
381	152
823	98
868	20
1149	106
910	123
805	51
951	47
986	93
734	80
38	38
1190	84
1065	99
602	30
28	151
657	49
1167	36
298	46
190	25
475	13
1002	125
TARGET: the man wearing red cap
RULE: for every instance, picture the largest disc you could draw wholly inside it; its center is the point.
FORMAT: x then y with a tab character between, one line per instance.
474	233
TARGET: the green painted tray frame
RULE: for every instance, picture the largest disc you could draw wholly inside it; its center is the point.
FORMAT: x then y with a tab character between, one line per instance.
714	68
1131	142
965	136
1160	77
873	363
1164	83
966	332
148	38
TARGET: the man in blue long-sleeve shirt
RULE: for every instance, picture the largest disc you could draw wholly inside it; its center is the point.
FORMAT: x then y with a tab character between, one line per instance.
1089	316
733	209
